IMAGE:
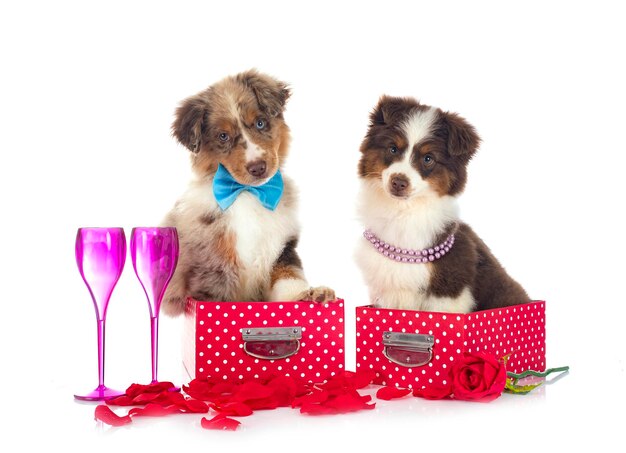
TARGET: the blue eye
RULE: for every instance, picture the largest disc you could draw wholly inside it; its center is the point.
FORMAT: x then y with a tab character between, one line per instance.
260	124
224	137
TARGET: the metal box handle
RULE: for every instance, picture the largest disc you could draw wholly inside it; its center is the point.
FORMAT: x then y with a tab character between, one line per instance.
271	343
408	349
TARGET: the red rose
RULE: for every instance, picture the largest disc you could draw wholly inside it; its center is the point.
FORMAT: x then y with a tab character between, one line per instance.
477	377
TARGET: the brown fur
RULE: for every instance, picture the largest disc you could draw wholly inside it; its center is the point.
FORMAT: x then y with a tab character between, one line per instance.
288	265
471	263
207	266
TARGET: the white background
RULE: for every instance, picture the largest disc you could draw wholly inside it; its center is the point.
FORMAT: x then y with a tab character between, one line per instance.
88	93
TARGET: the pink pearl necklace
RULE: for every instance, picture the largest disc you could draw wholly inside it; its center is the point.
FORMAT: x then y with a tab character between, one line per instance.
408	255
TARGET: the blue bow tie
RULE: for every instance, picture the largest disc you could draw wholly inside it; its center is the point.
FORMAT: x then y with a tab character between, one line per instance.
226	189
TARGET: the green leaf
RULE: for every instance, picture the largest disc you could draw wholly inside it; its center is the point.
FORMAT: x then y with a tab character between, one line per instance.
512	387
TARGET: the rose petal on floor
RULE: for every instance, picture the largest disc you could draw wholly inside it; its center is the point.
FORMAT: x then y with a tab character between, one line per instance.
106	415
234	408
154	410
390	393
220	422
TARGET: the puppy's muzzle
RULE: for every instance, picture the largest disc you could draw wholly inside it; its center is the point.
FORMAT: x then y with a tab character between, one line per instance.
257	168
399	185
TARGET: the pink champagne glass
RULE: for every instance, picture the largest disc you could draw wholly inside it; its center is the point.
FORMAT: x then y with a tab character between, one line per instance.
100	255
155	254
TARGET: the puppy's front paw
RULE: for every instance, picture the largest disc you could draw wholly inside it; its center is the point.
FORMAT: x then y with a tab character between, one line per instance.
174	306
319	294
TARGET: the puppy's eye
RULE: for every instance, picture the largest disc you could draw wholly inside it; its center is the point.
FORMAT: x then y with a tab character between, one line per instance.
260	124
393	149
224	137
428	160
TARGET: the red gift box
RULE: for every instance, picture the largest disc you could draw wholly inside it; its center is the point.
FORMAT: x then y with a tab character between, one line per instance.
238	341
415	349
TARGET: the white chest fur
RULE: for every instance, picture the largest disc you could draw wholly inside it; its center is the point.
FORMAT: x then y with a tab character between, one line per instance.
413	224
261	235
392	284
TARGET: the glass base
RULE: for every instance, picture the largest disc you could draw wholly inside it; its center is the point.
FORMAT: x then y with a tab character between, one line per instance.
101	393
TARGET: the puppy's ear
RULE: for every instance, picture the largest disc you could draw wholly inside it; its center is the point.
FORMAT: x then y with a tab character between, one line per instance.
377	116
462	139
270	93
188	125
391	110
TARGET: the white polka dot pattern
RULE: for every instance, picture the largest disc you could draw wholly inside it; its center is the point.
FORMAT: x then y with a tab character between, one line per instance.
517	330
213	343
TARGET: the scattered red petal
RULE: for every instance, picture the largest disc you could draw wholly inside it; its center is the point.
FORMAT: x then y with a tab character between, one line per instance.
362	379
223	388
198	395
434	392
336	385
154	410
316	409
334	402
235	408
348	380
167	398
390	393
284	390
145	398
350	402
195	406
271	402
220	422
302	387
137	389
205	390
123	400
337	395
106	415
316	396
252	390
198	389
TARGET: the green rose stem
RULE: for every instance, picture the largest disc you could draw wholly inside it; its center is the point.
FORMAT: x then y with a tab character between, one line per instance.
512	379
537	373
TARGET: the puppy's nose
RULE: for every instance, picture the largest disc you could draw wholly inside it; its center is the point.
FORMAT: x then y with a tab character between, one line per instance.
399	183
257	168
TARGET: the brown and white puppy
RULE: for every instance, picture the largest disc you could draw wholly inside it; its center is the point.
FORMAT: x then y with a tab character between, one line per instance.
412	168
246	252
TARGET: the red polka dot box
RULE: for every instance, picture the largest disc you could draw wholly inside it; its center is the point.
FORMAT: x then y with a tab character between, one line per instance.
415	349
238	341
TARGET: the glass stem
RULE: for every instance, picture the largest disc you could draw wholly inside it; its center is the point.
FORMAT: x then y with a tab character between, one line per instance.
100	353
154	330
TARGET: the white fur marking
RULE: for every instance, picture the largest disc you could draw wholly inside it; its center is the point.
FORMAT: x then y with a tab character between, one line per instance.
232	104
404	167
253	152
261	235
419	125
464	303
288	289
